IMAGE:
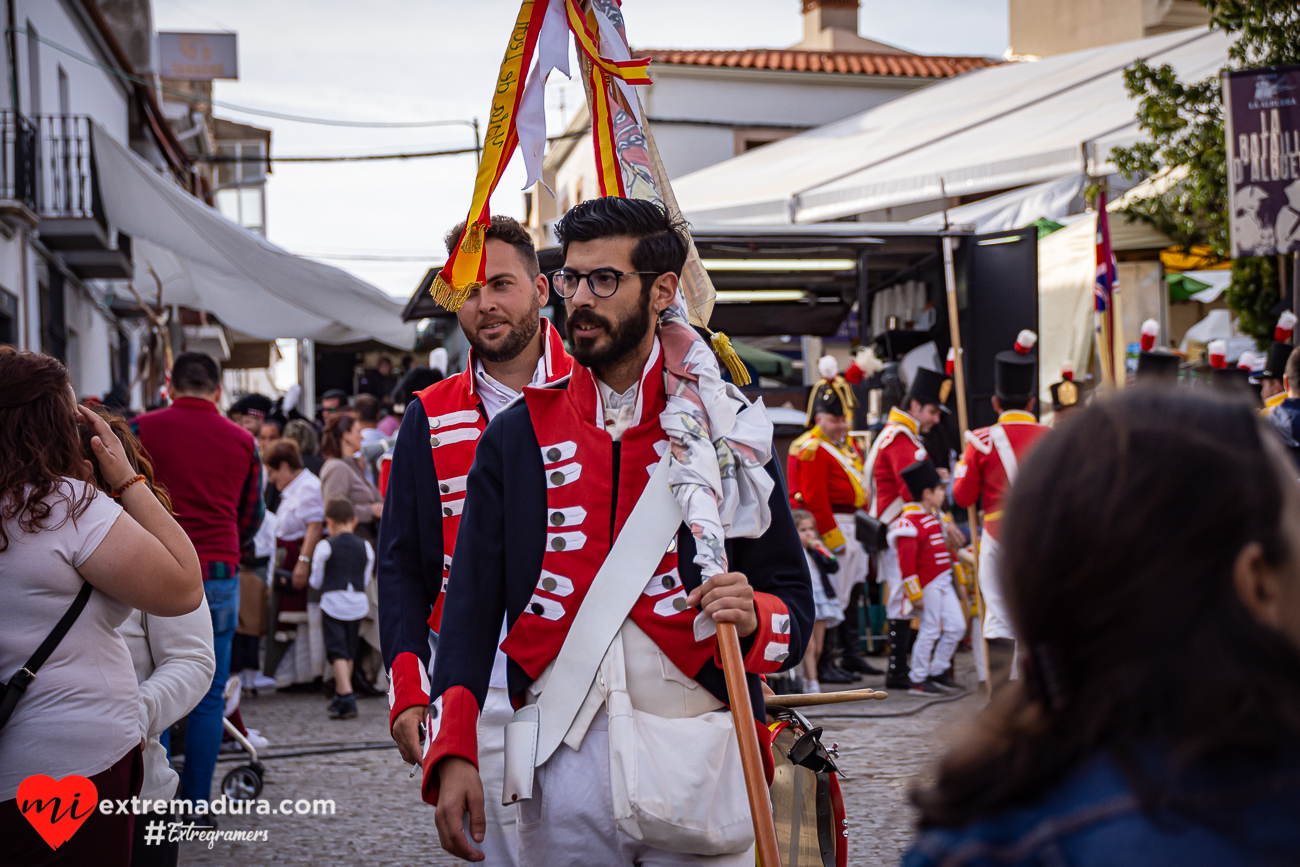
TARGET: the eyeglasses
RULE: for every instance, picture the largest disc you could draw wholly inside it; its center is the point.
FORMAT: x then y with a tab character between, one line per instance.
603	282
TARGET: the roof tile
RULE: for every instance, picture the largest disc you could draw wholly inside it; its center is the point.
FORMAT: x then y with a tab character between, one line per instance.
844	62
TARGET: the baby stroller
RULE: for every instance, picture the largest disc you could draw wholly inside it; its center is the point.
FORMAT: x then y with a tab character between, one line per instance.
243	783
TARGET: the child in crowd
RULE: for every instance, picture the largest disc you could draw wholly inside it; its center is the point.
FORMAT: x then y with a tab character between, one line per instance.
340	569
926	566
826	608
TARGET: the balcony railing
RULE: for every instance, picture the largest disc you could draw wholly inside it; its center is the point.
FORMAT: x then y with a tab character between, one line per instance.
18	140
65	176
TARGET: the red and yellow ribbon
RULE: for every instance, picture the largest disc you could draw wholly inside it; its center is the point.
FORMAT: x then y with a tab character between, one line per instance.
465	269
609	171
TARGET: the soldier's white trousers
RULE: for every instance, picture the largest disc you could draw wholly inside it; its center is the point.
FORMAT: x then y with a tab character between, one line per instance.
997	622
570	818
897	605
942	625
853	563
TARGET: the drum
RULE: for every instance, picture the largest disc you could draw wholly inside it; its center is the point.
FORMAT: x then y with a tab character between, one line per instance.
811	829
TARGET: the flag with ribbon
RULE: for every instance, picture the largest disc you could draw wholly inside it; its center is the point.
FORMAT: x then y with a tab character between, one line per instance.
720	440
1105	293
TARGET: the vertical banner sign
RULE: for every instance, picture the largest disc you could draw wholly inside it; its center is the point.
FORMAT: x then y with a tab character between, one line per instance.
1262	127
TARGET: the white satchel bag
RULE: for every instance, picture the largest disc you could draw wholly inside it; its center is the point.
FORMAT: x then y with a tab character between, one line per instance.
677	784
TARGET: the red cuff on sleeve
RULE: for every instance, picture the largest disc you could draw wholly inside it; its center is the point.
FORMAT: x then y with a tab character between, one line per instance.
453	731
771	641
408	686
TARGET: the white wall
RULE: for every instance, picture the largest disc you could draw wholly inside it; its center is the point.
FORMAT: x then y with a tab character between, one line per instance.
91	91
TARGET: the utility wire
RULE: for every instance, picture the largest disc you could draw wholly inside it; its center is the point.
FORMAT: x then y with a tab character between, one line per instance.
194	97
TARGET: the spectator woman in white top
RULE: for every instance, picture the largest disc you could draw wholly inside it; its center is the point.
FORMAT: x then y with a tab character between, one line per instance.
299	523
81	713
174	662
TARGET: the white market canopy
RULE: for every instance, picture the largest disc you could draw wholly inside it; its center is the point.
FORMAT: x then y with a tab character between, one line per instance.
988	129
207	262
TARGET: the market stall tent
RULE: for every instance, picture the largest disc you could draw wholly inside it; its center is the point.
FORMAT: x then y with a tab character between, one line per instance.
985	130
205	261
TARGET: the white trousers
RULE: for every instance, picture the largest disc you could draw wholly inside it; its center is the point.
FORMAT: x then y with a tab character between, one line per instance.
570	818
942	626
897	605
997	622
853	563
500	842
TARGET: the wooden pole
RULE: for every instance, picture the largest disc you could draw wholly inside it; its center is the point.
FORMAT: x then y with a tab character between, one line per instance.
963	422
733	668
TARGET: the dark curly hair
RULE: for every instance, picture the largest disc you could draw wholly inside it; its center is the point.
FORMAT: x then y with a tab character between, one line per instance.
505	229
661	239
39	442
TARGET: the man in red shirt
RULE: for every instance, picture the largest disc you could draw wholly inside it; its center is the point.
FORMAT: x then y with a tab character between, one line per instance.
210	467
985	474
897	447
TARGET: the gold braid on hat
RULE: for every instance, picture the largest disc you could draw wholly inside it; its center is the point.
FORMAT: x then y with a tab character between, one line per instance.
842	390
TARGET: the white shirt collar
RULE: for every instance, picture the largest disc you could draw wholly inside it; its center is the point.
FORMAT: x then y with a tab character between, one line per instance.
496	395
616	412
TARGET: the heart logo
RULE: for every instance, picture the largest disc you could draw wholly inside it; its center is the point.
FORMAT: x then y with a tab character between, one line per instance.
56	808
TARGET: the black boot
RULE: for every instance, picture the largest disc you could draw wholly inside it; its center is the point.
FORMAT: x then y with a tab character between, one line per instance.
827	669
896	677
851	658
1001	652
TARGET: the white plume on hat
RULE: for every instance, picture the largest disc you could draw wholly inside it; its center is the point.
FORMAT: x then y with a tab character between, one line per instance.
438	360
1025	341
828	367
867	362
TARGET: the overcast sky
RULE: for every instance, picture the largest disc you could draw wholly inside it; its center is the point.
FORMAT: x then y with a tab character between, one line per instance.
406	60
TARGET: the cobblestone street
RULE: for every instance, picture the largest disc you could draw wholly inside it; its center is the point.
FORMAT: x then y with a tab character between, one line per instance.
380	820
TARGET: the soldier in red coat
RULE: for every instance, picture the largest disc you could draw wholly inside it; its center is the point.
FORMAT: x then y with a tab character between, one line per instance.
986	472
825	472
897	447
511	347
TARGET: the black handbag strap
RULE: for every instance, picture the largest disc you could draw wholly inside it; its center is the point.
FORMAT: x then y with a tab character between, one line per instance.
24	676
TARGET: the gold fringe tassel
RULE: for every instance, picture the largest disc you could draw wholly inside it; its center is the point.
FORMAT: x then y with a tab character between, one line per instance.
727	355
449	296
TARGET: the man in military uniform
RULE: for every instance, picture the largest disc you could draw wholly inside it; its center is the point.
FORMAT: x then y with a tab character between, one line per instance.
986	472
512	346
825	471
896	448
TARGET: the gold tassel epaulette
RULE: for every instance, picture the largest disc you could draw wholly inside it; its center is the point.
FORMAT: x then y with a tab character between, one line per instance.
727	355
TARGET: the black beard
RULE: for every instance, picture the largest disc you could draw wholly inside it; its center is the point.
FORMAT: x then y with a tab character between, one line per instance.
522	332
624	336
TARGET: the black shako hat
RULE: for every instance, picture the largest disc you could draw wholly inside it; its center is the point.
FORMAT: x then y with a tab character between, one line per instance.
921	476
1014	369
826	398
252	404
1158	366
1065	394
929	387
1275	365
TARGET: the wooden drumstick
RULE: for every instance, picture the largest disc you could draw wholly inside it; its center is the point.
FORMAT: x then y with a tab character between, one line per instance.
816	699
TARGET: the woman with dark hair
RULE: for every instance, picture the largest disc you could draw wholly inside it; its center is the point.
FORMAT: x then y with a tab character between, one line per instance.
80	714
343	476
1152	567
